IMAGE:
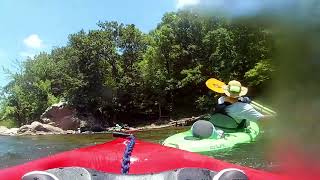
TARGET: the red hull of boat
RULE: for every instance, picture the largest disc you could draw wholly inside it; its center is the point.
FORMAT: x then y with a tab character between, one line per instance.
146	158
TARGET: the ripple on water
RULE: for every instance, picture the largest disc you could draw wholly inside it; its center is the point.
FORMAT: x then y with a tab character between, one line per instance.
16	150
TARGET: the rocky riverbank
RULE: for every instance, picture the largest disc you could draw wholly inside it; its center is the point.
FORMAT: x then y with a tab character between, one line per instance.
37	128
60	118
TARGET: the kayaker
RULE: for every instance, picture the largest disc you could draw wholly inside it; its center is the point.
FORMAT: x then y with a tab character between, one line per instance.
235	105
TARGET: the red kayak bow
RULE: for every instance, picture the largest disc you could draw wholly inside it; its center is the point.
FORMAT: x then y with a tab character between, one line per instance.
146	158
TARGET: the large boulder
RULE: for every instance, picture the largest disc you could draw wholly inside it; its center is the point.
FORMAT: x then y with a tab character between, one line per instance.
39	128
61	115
65	117
89	123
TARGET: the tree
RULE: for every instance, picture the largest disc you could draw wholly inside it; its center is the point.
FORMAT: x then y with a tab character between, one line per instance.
116	69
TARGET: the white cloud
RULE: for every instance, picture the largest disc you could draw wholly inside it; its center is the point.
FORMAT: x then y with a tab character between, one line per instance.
184	3
33	41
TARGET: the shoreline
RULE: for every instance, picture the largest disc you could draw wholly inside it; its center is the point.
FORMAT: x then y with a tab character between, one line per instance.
4	131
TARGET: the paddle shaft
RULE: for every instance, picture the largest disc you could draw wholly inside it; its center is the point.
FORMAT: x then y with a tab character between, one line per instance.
265	109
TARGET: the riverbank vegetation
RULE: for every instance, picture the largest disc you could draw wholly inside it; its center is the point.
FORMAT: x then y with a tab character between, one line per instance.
116	72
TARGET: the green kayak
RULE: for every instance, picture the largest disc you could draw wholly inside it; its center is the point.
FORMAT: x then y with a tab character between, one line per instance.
186	140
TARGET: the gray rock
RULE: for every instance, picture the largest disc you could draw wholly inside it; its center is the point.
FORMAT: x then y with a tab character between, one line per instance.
65	117
8	132
39	128
13	131
62	116
3	129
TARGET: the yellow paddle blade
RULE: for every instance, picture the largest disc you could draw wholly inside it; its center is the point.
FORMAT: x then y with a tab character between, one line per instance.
215	85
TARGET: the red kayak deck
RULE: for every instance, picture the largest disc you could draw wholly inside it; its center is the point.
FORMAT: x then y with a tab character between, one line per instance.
146	158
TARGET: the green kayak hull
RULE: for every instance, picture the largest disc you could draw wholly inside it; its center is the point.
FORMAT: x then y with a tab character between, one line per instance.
186	141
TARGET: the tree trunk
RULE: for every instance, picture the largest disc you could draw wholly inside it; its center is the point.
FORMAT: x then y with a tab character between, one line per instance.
160	111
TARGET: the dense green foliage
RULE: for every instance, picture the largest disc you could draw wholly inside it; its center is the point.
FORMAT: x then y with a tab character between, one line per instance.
116	70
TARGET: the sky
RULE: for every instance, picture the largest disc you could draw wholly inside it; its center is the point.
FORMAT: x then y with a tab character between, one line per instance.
29	27
32	26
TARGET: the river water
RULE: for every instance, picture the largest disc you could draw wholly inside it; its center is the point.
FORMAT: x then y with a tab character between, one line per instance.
16	150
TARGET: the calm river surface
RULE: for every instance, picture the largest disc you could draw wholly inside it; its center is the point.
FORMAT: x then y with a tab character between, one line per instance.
16	150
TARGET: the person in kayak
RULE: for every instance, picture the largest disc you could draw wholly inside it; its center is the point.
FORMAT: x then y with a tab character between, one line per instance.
235	105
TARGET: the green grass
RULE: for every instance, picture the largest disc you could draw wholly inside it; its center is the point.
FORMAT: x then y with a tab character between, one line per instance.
8	123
